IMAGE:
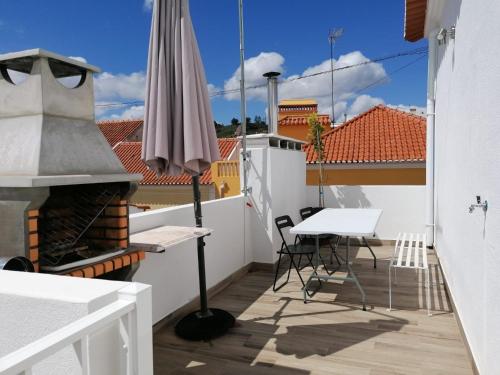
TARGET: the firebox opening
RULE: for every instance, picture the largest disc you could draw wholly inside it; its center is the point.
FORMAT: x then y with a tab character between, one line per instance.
79	224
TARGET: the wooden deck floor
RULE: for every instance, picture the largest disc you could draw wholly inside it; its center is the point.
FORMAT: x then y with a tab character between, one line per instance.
277	333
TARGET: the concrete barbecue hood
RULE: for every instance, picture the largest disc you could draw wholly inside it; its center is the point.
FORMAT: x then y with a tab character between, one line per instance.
48	135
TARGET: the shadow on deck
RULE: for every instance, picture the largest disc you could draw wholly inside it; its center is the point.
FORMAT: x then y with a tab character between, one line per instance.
276	333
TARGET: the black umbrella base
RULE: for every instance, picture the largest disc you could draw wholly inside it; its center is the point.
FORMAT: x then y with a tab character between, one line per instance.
194	327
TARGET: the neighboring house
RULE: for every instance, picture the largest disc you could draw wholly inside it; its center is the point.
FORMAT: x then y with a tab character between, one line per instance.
463	137
117	131
293	115
382	146
221	180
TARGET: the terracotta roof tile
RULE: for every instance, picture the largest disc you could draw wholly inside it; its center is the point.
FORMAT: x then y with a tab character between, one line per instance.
130	155
302	120
381	134
117	131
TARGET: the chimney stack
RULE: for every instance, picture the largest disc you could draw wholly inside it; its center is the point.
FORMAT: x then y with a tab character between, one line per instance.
272	101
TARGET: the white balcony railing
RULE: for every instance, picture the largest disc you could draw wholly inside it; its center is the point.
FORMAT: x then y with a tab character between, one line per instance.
132	311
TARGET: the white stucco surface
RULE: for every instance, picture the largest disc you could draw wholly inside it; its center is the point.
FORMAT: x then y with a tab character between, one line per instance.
403	206
174	273
467	150
277	179
33	305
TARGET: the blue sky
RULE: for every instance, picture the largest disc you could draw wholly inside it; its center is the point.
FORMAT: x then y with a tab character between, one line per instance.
285	35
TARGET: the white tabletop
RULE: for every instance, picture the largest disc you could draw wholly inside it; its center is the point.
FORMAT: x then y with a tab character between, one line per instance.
167	236
356	222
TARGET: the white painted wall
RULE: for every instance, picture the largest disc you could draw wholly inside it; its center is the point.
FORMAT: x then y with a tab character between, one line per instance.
277	179
467	153
33	305
174	274
403	206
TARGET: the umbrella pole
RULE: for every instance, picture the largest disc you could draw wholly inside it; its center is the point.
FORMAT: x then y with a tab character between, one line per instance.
205	324
201	248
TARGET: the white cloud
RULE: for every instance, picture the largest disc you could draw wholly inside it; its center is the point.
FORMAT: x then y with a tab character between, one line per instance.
346	82
363	103
255	67
417	110
110	87
119	88
212	89
134	112
148	4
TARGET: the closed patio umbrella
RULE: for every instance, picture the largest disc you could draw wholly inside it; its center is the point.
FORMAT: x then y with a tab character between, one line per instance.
179	133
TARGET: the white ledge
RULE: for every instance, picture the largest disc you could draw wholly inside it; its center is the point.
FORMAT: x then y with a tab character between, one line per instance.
43	181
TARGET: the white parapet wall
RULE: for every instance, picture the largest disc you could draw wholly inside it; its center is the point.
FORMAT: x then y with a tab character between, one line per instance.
174	273
39	312
403	206
276	177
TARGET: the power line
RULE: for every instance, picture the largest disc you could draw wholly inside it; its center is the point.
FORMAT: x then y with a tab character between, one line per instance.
389	74
417	51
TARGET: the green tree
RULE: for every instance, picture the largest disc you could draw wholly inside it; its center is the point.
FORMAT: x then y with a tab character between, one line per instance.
315	137
235	121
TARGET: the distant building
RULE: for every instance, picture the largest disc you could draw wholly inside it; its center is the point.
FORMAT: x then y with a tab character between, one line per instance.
383	146
117	131
293	115
222	180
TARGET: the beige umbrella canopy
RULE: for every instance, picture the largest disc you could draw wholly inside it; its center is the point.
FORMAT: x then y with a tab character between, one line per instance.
179	133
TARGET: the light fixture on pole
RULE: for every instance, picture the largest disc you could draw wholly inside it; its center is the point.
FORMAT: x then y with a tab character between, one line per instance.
333	35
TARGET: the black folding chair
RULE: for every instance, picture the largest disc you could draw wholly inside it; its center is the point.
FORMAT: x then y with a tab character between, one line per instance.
298	248
324	239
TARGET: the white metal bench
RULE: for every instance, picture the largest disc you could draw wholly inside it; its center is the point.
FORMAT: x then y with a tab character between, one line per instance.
410	252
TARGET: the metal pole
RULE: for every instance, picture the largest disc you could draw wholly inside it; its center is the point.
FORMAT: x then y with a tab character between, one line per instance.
243	108
333	35
332	42
201	248
320	161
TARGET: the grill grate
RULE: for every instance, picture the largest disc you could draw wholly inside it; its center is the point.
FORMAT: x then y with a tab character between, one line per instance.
66	217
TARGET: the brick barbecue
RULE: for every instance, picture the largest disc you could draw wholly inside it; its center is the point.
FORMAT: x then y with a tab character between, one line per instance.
63	192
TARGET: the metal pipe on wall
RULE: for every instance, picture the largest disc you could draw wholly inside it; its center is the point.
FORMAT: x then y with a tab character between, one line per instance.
429	164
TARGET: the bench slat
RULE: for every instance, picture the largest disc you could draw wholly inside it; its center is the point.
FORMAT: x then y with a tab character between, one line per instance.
401	250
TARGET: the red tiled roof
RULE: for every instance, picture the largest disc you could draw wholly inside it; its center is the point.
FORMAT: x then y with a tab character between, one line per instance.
381	134
302	120
117	131
415	12
130	155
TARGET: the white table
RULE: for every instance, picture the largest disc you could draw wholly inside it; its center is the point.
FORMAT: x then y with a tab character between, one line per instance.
346	222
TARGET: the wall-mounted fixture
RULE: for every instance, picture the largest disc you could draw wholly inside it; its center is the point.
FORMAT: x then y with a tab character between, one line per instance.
443	34
479	204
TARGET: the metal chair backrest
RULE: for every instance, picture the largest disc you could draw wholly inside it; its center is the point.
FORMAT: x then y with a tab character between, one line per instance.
283	222
306	212
309	211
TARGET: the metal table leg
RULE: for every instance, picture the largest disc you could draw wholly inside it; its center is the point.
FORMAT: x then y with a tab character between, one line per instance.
315	270
352	275
371	251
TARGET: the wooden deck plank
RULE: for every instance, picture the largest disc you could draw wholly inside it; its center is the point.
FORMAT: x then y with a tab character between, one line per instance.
277	333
